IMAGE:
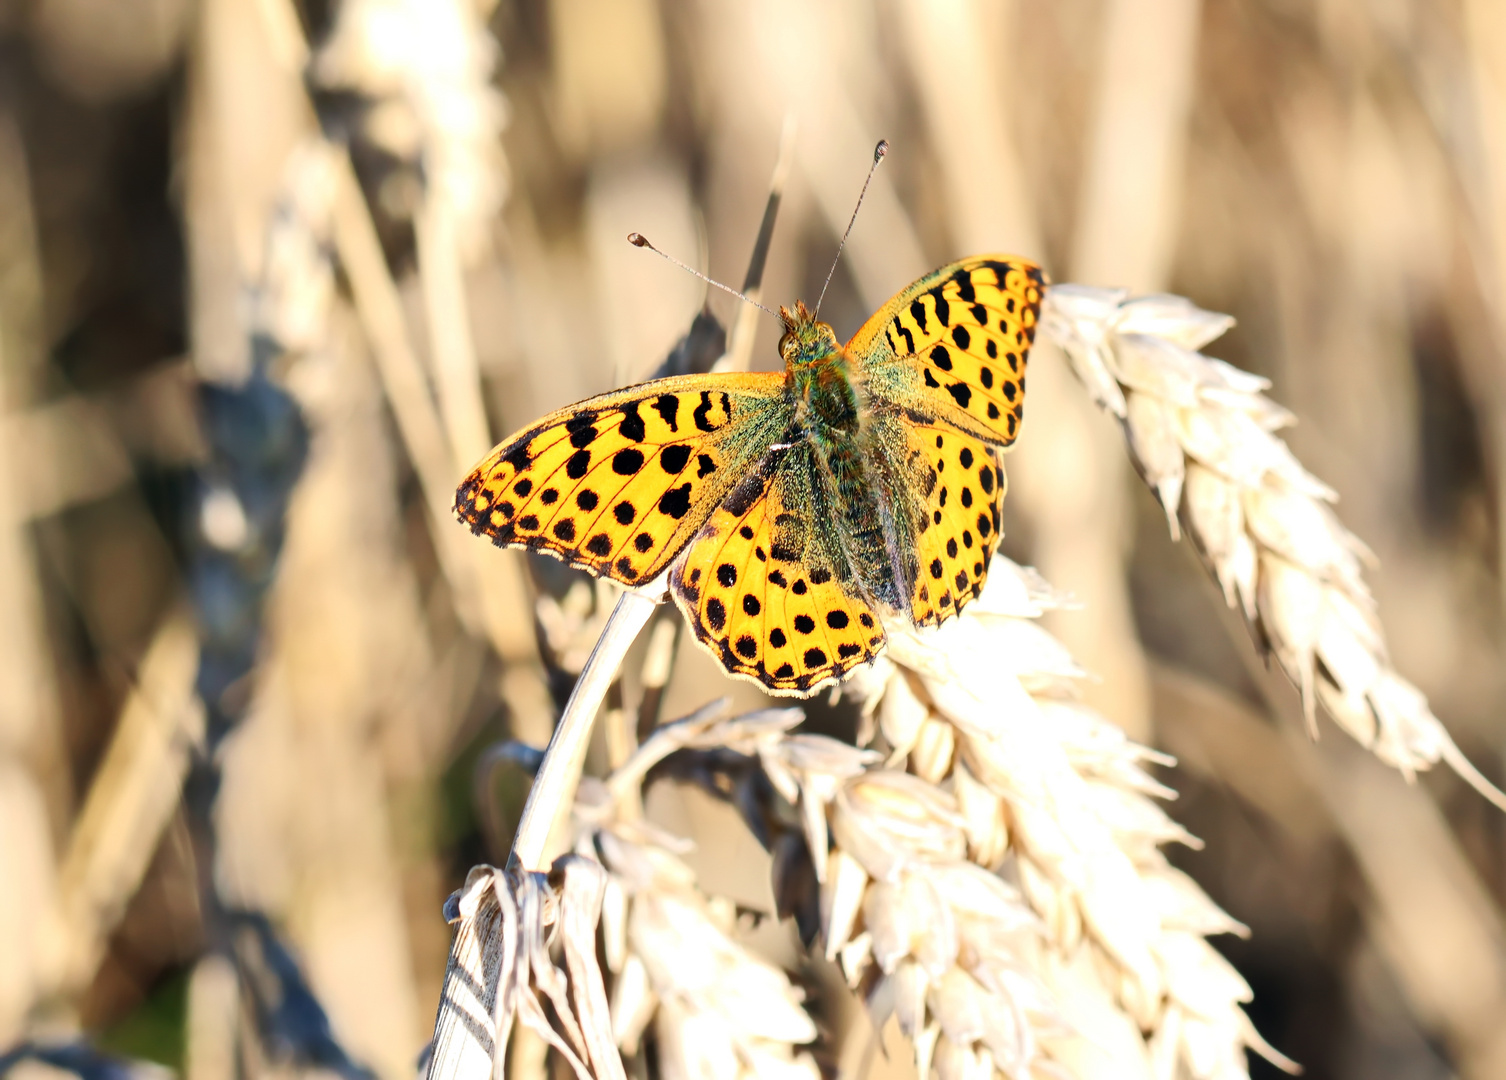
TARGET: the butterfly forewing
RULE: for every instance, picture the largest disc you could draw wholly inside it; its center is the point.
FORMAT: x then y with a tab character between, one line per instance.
964	491
618	484
763	601
954	344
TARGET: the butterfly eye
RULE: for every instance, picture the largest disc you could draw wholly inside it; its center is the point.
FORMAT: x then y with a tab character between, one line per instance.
786	345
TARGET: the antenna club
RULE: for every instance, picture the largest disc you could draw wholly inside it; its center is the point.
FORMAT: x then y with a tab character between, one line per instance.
639	240
880	151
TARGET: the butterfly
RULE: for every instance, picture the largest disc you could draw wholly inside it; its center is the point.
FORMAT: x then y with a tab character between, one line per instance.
792	508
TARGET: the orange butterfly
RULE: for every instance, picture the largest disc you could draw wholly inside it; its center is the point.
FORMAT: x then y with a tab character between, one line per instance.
791	508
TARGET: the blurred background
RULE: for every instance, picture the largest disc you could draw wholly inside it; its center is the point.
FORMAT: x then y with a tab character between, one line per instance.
275	273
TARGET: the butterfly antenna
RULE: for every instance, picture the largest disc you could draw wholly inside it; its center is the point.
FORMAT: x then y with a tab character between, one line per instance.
878	155
639	240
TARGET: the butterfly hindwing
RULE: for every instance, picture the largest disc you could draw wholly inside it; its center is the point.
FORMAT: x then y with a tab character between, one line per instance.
763	602
618	484
964	491
954	344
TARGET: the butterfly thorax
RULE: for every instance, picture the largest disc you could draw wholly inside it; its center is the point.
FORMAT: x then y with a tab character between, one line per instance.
832	414
818	377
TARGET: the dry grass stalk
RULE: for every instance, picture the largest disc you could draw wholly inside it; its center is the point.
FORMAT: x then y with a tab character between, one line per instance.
131	800
1202	435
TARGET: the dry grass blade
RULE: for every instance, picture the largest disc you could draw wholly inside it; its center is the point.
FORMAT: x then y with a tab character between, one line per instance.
501	965
1202	434
133	797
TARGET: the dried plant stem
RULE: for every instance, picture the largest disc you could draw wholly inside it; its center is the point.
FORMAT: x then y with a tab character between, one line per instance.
745	329
133	797
381	313
554	789
457	376
488	586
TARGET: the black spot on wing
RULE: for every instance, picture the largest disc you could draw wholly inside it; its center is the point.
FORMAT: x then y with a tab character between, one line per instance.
673	459
918	313
579	463
518	456
632	426
702	414
668	407
676	502
961	393
583	421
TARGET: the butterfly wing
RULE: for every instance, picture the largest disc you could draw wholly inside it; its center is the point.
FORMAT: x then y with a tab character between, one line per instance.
953	345
956	535
762	598
618	484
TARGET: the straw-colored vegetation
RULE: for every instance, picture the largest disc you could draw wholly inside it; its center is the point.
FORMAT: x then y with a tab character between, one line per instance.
273	275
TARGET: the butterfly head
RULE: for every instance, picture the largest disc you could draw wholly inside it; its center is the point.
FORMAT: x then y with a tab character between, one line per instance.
807	340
